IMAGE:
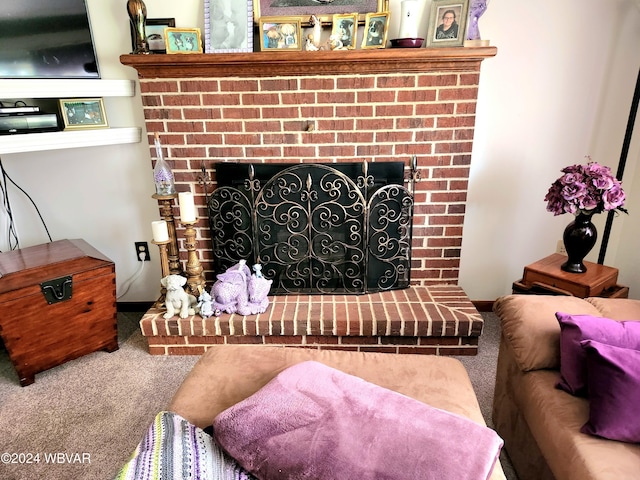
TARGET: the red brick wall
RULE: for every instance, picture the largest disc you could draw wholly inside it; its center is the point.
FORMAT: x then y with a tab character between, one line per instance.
373	118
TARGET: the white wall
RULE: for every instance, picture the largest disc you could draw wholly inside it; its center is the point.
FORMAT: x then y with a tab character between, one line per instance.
559	88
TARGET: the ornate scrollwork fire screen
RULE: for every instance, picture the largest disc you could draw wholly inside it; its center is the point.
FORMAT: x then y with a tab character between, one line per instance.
315	228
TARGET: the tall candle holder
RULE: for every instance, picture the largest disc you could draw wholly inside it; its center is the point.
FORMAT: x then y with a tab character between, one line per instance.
164	268
166	210
195	279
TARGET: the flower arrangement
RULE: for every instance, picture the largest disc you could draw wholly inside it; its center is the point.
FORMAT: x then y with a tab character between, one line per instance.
586	189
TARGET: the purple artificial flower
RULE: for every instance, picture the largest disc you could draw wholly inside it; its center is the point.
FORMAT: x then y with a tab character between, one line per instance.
589	188
613	198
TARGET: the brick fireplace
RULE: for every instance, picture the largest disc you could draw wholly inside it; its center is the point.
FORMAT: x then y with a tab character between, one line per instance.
325	107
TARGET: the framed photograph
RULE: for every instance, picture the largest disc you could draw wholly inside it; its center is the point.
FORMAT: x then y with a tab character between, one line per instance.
375	30
154	28
228	26
303	9
183	40
277	33
447	23
345	30
79	113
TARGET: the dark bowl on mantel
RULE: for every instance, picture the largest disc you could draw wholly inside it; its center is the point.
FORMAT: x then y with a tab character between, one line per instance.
407	42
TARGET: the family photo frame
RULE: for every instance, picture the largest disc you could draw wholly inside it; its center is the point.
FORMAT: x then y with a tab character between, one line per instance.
183	40
228	26
82	113
376	26
280	33
154	29
447	23
345	29
303	9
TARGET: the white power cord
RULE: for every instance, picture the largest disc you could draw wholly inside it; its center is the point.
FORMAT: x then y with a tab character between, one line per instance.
134	277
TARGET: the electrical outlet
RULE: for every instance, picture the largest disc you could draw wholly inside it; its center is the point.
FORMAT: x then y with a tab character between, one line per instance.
560	248
143	247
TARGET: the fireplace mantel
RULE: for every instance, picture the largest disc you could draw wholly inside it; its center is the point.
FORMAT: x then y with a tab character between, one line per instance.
283	63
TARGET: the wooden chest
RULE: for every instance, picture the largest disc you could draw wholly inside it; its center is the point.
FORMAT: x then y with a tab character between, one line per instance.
57	303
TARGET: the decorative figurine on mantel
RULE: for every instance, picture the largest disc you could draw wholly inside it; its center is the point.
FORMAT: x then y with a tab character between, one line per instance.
476	10
313	39
137	11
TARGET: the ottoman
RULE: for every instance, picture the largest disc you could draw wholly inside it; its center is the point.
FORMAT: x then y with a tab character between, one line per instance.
227	374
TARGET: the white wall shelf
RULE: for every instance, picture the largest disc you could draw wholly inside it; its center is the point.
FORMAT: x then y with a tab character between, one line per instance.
68	88
36	142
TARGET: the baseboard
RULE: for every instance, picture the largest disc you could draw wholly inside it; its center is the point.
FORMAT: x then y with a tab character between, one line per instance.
133	306
483	305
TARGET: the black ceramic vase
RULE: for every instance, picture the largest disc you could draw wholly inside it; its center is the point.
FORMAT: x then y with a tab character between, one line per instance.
579	238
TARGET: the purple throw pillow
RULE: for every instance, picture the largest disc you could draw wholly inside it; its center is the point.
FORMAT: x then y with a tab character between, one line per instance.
315	422
577	328
614	392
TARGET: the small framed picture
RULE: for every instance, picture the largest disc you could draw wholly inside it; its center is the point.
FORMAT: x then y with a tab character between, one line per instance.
79	113
447	23
183	40
345	30
323	9
277	33
228	26
154	28
375	30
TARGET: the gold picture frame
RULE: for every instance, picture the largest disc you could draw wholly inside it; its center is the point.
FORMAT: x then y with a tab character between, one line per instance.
83	113
280	33
183	40
324	13
345	30
376	28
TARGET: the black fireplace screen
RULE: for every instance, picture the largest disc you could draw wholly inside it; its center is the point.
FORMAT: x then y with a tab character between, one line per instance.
315	228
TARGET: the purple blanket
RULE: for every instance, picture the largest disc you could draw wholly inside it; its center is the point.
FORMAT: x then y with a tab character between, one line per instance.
316	422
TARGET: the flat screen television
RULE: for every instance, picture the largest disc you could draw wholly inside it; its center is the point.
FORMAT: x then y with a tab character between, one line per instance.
46	39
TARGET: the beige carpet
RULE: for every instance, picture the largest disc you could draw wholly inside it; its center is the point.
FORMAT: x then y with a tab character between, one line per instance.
94	410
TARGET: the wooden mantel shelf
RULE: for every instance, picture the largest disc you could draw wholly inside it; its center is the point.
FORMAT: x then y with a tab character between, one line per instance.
283	63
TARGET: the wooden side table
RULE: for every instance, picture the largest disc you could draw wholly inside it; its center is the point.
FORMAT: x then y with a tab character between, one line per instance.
546	277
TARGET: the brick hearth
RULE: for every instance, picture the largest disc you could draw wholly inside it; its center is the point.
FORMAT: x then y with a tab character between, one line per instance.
428	320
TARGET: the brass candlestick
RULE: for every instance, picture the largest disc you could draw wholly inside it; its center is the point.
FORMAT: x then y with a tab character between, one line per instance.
195	279
164	267
166	210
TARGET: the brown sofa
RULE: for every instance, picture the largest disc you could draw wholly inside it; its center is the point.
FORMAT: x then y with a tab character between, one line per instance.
227	374
539	423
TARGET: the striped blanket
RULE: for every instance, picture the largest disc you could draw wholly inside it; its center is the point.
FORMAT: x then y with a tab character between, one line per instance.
173	448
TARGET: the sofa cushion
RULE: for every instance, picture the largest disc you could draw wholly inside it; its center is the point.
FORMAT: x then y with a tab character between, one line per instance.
616	308
554	419
530	326
614	391
316	422
575	329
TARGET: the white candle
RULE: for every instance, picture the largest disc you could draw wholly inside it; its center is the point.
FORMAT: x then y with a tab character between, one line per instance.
160	231
187	207
408	19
